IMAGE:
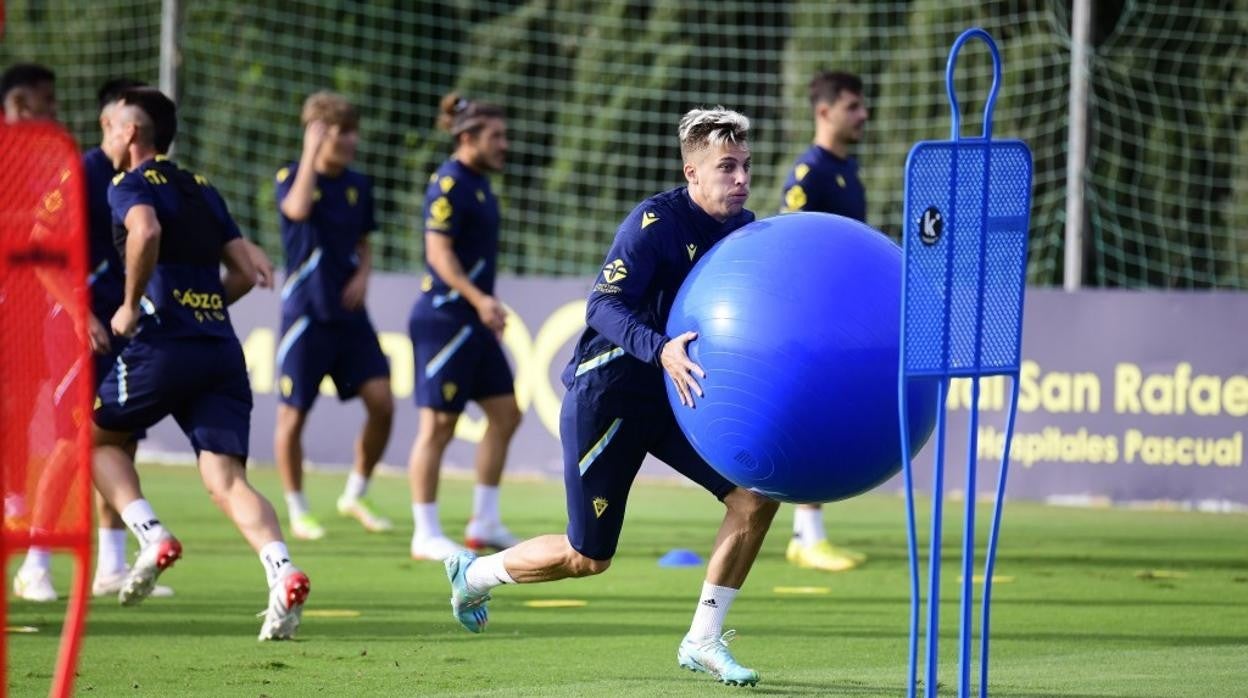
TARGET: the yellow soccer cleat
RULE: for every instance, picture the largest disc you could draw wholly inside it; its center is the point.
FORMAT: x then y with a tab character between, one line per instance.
822	556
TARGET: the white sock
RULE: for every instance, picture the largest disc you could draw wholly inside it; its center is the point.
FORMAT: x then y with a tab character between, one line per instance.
142	521
708	620
296	504
110	554
275	558
426	518
485	504
487	572
37	559
808	525
357	485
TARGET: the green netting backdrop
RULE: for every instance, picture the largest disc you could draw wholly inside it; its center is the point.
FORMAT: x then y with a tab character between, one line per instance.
594	91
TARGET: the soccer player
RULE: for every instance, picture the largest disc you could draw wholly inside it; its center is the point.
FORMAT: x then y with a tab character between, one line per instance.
455	327
326	213
183	359
28	93
30	90
825	178
616	410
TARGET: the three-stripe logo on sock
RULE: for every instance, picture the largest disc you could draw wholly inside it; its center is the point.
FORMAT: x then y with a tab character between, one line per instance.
141	527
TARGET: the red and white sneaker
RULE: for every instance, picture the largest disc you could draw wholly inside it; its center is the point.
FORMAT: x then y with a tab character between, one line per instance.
148	566
286	599
481	535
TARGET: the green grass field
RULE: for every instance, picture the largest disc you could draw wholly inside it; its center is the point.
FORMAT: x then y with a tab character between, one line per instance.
1101	603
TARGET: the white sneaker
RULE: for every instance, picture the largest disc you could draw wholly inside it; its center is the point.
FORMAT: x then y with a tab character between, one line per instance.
481	535
154	559
286	599
110	585
437	548
33	584
362	510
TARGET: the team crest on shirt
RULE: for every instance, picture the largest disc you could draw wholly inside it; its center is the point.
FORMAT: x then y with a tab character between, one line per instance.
353	195
647	218
795	198
286	385
800	172
282	174
448	391
600	505
440	210
446	184
615	271
426	283
480	196
155	177
840	181
692	249
612	274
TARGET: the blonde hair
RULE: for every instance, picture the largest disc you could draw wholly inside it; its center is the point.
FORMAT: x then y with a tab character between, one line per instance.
331	108
706	128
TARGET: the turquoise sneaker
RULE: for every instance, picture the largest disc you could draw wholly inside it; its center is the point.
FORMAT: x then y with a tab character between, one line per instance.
712	657
467	607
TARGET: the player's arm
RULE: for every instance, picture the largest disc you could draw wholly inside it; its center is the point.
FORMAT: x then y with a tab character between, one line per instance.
262	264
48	218
615	305
357	286
615	308
142	249
297	204
440	251
240	271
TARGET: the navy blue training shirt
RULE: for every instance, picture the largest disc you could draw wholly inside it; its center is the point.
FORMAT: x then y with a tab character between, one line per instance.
321	250
617	357
825	183
106	273
185	297
460	204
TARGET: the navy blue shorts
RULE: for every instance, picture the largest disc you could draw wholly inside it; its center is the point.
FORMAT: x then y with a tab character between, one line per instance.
602	453
201	382
104	363
457	361
347	351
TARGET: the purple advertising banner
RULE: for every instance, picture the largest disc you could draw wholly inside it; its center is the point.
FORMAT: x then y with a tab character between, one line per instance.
1124	395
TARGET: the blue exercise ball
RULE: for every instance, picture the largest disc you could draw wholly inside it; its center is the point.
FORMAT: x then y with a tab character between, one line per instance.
798	322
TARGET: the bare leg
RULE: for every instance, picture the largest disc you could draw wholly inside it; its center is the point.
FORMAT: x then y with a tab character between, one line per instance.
503	418
226	480
288	446
432	437
379	405
549	558
740	537
112	469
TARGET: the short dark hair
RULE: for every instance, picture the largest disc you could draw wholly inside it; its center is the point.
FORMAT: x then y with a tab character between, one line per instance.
160	109
827	85
24	75
112	90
